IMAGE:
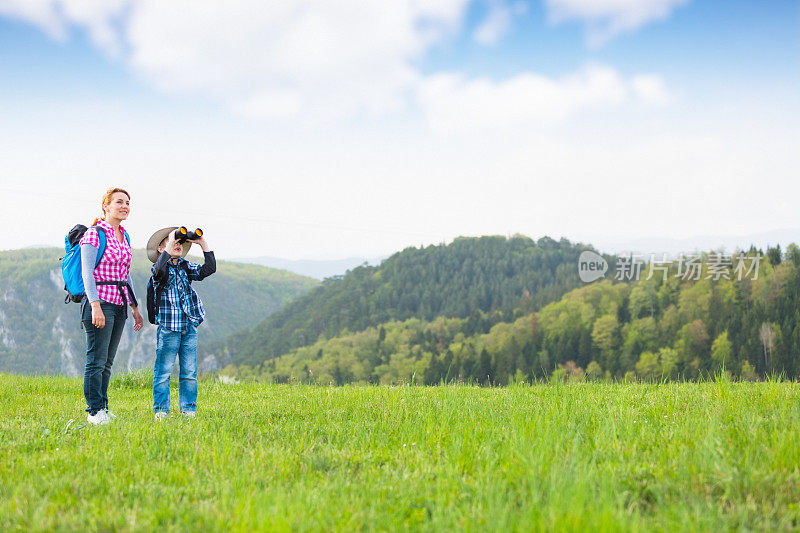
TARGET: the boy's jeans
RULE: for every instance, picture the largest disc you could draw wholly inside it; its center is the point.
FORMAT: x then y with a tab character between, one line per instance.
184	345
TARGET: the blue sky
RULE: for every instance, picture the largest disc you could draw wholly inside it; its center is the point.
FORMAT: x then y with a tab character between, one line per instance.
373	126
701	44
737	36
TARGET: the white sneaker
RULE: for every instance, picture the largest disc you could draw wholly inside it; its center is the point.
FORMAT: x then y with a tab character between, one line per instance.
98	419
109	414
161	415
188	414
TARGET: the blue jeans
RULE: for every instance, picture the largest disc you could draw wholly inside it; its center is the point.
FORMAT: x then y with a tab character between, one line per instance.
168	345
101	348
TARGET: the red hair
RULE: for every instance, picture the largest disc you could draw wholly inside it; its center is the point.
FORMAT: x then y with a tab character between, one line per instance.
107	201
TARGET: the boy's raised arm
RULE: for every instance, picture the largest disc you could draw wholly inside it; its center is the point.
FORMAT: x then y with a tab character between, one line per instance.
160	271
209	265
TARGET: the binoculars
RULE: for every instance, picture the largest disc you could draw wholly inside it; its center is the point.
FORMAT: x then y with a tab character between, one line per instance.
182	234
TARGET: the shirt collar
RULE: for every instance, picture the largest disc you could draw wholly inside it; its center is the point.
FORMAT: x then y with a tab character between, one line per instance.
108	227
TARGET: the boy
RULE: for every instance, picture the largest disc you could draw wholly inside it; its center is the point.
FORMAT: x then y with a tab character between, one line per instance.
178	313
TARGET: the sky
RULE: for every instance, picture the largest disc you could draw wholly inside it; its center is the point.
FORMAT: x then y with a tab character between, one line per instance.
309	129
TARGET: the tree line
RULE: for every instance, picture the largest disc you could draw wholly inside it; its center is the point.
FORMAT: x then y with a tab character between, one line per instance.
660	326
506	275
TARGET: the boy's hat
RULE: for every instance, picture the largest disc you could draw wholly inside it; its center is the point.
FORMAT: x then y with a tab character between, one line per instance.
157	237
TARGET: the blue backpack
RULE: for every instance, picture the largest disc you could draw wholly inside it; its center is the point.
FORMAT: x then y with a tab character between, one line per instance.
71	262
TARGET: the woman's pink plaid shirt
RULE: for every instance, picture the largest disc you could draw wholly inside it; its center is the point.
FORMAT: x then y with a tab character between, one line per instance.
115	265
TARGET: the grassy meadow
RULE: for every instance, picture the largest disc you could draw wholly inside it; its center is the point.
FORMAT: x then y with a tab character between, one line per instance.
581	456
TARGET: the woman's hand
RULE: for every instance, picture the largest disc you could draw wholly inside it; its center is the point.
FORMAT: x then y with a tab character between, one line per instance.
138	321
98	318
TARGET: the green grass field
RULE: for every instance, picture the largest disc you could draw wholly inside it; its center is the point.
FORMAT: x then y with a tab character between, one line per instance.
575	457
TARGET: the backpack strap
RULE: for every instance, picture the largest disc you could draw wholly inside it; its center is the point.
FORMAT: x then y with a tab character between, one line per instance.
101	235
158	290
120	285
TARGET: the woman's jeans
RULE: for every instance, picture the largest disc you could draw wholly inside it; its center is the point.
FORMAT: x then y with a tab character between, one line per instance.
101	347
184	345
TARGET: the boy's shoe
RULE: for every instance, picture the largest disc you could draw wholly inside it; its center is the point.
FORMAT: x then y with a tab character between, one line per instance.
98	419
161	415
109	414
188	414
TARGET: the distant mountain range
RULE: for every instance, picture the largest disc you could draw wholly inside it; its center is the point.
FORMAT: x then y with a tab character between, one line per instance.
674	247
39	334
313	268
326	268
257	313
321	269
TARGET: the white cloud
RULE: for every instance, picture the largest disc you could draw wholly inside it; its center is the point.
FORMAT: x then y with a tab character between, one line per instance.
650	89
55	16
319	60
41	13
329	58
99	17
606	19
497	22
453	103
274	105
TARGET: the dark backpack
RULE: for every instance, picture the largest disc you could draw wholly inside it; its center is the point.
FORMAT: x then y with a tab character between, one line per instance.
154	295
71	262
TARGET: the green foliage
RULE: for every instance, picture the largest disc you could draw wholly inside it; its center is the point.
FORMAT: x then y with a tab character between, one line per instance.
654	329
501	277
648	367
721	349
668	359
605	335
748	372
594	371
774	255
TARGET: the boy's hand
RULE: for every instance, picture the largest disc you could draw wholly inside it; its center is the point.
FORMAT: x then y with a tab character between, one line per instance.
169	245
202	242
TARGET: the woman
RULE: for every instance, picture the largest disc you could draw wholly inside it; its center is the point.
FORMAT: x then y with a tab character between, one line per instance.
108	289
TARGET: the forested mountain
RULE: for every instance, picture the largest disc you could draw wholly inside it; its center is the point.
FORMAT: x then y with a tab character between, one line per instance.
485	310
501	277
40	334
666	327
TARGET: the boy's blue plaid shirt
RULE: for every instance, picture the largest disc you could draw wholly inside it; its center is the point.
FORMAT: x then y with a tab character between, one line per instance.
179	303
